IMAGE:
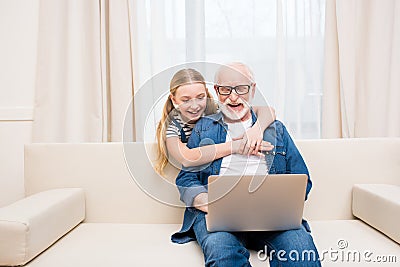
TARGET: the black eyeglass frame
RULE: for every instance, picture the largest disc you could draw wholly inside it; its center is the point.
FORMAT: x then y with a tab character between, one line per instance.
231	88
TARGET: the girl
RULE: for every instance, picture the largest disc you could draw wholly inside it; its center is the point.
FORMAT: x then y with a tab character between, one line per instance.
188	101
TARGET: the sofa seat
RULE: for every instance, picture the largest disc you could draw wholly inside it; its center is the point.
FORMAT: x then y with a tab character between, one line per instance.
112	244
106	244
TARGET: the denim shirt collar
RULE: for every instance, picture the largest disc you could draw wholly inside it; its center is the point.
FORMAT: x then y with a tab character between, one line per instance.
219	118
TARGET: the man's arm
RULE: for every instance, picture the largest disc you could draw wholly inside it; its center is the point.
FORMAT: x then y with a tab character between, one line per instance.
295	163
200	202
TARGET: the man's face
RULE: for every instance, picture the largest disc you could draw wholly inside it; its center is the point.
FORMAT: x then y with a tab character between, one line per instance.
236	105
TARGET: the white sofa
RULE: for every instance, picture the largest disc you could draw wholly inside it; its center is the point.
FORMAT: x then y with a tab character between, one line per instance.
83	208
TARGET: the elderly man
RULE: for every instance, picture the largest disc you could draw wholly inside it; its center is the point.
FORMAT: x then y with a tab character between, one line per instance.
235	87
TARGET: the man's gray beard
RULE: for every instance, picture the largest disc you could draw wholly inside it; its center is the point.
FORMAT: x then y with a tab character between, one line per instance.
233	116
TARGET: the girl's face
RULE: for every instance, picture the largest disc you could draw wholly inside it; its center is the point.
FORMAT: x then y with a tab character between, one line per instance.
191	100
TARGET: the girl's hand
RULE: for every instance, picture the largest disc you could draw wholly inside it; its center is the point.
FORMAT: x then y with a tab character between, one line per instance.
253	142
239	147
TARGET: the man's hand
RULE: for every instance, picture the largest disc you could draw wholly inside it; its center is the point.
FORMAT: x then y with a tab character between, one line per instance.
200	202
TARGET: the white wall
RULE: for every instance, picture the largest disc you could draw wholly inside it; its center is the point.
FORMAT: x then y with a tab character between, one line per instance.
18	31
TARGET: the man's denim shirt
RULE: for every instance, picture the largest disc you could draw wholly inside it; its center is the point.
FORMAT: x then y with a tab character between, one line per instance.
285	158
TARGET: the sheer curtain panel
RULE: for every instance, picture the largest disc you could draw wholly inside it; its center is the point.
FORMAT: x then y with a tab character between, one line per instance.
281	40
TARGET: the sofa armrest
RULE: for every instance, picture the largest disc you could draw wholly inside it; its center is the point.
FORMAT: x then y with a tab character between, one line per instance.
379	206
30	225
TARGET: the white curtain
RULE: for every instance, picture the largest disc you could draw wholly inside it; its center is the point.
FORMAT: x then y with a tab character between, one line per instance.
362	81
281	40
84	71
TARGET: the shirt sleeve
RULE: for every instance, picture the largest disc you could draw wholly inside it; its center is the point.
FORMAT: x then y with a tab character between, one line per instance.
172	130
295	162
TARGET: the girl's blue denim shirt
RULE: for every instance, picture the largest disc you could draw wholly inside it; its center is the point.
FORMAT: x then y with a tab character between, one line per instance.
284	158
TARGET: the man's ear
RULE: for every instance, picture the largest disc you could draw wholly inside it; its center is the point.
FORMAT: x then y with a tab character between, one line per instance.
253	89
215	88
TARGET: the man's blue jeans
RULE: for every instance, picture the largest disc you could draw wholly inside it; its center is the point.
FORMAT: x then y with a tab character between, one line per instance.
285	248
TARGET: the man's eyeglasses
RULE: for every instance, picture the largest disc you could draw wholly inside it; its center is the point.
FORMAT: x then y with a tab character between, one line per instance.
227	90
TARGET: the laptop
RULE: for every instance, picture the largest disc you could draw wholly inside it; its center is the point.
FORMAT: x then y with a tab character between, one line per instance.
255	202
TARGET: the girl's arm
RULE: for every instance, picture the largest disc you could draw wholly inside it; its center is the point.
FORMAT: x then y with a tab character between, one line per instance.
265	116
199	155
251	143
252	140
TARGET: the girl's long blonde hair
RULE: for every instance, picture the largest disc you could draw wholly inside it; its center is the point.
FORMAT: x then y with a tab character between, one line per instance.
182	77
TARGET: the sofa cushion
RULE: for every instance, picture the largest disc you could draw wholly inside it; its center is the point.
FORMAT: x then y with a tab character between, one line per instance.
379	206
29	226
353	243
110	244
102	244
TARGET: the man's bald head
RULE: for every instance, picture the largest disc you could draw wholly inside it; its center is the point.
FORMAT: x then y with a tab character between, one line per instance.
233	72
